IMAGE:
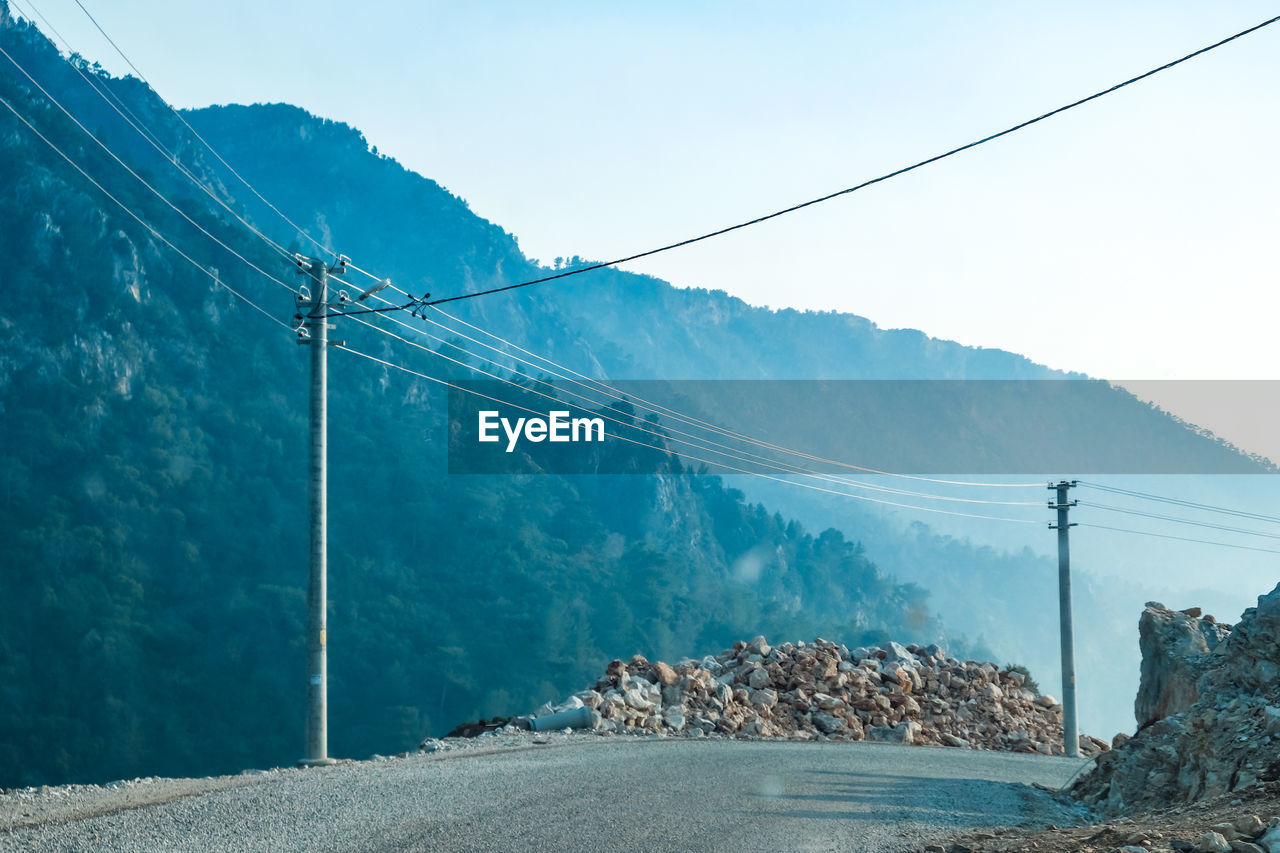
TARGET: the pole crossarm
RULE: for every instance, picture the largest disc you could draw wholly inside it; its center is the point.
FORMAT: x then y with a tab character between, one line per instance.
411	306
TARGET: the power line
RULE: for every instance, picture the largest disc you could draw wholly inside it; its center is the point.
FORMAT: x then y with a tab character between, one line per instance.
1180	502
138	177
681	454
71	51
660	409
208	146
691	457
688	419
1180	520
668	432
377	278
146	133
140	126
151	138
862	185
197	135
664	435
633	257
155	232
710	427
792	469
402	368
1178	538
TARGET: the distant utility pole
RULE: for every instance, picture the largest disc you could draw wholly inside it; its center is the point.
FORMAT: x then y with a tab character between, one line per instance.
1070	733
314	311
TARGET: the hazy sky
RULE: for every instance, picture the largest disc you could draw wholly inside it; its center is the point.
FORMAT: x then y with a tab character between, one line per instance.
1131	238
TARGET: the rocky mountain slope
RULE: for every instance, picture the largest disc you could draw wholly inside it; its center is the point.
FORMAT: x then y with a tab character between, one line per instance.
1209	709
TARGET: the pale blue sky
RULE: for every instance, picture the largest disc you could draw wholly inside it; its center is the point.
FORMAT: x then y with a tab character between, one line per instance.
1133	238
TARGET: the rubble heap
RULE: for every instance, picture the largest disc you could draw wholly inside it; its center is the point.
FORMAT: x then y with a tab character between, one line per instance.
822	690
1208	708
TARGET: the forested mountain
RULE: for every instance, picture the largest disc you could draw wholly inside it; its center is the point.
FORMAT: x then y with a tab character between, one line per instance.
153	477
154	482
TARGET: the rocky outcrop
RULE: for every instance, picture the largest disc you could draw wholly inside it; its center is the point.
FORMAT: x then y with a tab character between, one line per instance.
822	690
1227	738
1176	649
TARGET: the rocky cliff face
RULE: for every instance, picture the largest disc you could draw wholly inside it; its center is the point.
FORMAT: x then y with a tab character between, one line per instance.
1209	706
1176	650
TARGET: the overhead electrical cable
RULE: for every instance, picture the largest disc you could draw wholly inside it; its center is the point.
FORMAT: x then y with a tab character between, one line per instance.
793	469
152	139
702	444
682	454
202	140
660	409
567	373
1178	538
693	421
72	52
1179	502
146	133
1178	519
664	432
154	231
138	177
809	471
670	413
863	185
619	396
123	110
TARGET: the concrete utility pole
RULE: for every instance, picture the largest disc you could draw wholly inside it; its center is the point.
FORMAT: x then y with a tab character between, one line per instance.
1070	733
314	311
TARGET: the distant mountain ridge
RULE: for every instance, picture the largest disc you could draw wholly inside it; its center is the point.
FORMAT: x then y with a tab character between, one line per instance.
426	239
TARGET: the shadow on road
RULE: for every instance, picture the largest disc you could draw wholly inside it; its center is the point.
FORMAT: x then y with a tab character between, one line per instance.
877	797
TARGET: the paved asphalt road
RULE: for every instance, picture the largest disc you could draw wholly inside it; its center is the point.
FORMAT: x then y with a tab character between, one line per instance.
597	794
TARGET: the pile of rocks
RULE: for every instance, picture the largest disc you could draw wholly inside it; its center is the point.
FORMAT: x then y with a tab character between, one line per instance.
1247	834
807	691
1208	709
